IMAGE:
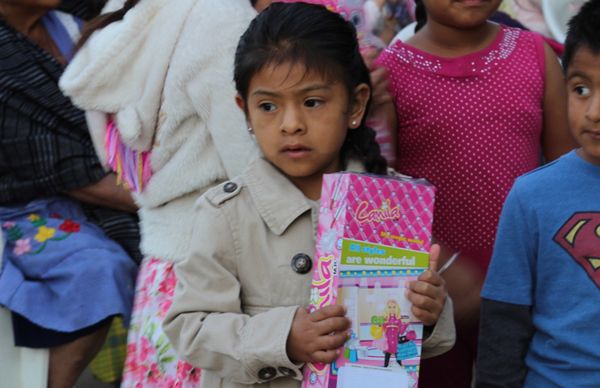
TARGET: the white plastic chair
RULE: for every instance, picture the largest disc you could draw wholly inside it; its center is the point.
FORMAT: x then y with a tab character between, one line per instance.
19	367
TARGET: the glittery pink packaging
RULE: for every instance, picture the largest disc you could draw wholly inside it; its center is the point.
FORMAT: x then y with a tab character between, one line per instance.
373	237
351	10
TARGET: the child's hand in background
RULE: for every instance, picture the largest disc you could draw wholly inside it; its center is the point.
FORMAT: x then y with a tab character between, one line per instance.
317	336
379	79
428	294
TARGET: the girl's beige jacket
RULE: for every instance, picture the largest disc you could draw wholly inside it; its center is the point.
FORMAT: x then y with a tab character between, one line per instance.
238	292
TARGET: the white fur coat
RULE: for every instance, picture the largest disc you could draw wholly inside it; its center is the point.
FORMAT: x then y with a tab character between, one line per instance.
166	72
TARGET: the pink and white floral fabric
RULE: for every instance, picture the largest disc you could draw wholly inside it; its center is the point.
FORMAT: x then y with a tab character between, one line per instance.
151	360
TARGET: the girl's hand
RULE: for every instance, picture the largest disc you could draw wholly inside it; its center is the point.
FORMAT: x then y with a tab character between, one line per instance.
428	294
317	337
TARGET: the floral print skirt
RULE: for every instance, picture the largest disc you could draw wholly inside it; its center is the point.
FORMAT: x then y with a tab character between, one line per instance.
151	360
60	271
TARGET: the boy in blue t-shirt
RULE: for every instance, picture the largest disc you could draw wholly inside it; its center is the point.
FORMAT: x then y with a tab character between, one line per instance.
540	313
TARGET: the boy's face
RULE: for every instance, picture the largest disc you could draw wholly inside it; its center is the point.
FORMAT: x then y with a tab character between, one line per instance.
583	88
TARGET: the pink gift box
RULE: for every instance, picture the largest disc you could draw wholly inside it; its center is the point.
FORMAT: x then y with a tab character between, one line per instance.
373	237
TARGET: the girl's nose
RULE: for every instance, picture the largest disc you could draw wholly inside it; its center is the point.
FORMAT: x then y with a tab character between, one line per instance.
292	122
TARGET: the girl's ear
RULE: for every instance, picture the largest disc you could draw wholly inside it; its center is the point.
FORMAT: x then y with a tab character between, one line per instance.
240	102
360	98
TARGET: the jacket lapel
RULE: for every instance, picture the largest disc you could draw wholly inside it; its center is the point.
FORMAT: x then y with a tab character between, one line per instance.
277	200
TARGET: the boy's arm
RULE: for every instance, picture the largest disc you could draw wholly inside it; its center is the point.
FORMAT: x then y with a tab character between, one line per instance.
504	336
508	292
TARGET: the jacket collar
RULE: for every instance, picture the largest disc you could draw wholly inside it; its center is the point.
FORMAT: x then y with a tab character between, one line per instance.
277	200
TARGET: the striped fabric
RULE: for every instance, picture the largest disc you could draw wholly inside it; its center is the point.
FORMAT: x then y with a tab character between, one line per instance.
86	9
45	147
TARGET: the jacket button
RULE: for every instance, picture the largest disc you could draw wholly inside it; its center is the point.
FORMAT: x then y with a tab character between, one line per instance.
267	373
229	187
301	263
286	371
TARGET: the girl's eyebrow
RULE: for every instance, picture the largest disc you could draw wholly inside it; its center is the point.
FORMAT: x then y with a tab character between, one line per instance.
577	74
311	88
306	89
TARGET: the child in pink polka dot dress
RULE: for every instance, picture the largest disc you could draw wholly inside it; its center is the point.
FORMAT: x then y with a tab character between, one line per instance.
476	105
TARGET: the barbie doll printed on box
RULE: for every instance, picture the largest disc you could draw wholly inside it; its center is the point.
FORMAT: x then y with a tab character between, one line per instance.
373	237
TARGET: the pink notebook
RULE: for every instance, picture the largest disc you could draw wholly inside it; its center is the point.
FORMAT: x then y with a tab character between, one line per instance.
373	237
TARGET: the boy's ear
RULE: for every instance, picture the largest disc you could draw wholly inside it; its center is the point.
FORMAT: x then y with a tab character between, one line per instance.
360	98
240	102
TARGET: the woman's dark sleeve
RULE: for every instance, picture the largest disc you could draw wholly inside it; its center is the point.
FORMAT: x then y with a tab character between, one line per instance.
43	154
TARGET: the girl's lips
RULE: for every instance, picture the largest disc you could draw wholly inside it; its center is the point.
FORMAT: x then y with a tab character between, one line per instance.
296	151
473	3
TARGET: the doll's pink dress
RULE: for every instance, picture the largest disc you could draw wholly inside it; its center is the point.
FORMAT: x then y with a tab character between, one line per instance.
392	328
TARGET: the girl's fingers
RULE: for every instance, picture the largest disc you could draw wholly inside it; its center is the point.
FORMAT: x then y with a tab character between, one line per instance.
432	277
328	312
332	325
427	317
427	289
421	301
425	302
333	341
434	257
325	356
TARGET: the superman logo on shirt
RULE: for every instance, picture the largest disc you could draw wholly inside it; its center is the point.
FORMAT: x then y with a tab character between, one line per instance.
580	237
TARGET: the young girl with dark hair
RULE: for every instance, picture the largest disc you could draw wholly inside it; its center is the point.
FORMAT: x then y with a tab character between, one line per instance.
239	310
477	105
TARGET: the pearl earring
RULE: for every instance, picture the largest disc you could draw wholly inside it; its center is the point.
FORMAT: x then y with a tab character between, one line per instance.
354	123
250	130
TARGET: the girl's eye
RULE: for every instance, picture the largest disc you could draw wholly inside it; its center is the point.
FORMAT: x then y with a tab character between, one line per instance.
267	106
581	90
313	103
